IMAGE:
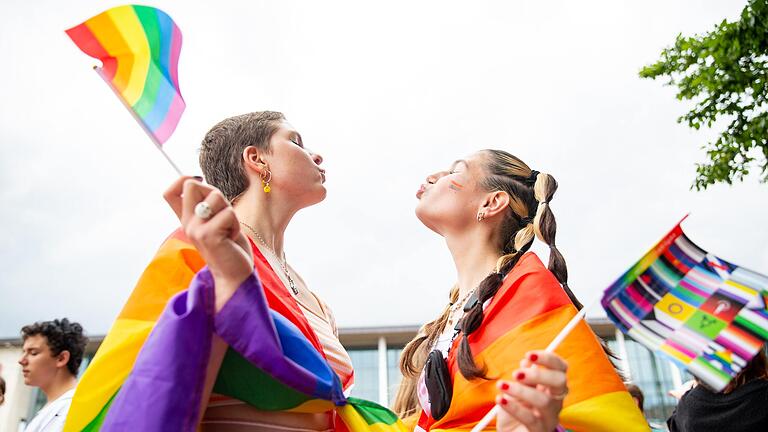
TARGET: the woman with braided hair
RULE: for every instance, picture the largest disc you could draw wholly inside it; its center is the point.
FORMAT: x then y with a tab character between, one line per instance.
505	308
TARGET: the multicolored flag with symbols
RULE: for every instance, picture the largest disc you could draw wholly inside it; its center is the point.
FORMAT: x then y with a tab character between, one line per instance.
706	314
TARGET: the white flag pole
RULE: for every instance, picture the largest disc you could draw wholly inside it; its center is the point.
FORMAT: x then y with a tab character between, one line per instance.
491	414
157	144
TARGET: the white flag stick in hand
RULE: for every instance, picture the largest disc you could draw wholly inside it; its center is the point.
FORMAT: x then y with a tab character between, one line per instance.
552	347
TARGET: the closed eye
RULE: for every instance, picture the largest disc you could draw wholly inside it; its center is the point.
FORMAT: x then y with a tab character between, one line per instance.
455	165
298	143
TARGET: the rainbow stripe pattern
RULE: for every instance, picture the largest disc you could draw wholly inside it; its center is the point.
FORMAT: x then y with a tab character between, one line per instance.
704	313
527	313
139	48
114	377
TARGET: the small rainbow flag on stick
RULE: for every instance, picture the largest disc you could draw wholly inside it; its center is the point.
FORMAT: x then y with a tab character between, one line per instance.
704	313
139	49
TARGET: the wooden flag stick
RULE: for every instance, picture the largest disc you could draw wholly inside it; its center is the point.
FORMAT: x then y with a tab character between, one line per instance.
135	116
491	414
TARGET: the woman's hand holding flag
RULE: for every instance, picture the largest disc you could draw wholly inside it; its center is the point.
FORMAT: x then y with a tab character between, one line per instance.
210	223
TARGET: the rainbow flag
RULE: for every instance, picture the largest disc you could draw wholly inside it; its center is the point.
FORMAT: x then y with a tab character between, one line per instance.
527	313
278	366
139	47
702	312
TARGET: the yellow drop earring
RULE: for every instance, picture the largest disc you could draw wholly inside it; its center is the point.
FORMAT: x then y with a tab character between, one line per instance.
265	182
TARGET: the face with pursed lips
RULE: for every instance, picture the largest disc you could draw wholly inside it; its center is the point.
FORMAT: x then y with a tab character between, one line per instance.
295	170
449	200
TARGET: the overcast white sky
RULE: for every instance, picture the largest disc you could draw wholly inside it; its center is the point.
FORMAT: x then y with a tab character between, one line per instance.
388	92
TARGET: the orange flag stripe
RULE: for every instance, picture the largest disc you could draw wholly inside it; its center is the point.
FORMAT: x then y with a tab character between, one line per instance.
527	313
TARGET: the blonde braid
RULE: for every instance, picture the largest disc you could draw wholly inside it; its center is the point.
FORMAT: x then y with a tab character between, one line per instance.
414	356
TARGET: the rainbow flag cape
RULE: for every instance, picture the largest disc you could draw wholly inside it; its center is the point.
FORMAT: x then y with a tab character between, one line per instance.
139	48
527	312
275	361
704	313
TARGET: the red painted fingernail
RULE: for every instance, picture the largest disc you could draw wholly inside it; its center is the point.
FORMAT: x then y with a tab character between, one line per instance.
504	386
534	357
504	401
520	376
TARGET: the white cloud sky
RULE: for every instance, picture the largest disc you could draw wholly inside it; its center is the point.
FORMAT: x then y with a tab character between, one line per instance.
388	92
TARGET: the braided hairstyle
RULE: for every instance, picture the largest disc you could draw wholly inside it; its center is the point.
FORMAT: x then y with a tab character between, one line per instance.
529	216
413	357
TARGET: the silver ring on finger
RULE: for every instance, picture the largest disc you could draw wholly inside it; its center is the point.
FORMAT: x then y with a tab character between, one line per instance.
203	210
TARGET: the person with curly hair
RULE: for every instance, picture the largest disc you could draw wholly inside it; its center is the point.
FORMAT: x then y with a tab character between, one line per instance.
50	358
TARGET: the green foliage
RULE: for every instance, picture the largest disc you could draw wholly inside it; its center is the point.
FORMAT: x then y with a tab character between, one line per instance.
724	73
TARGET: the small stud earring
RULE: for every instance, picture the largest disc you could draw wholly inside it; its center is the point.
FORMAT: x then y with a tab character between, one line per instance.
480	216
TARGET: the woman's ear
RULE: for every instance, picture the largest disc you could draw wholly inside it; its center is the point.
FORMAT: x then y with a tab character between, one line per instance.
252	160
495	202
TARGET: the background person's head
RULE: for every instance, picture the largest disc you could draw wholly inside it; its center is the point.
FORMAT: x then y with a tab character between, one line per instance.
2	390
636	394
757	368
239	154
51	350
493	195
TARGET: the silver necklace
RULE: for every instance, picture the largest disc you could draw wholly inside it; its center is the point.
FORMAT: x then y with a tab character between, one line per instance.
283	263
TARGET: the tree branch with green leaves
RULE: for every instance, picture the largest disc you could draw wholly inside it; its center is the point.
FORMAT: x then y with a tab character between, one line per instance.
724	74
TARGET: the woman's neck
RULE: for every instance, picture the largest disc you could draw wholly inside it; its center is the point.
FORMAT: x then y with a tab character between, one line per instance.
268	220
474	256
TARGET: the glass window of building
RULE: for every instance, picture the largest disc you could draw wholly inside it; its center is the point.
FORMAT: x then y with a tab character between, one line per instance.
366	364
654	374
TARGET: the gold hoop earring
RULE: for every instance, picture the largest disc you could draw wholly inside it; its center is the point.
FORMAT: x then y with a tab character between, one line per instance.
265	181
